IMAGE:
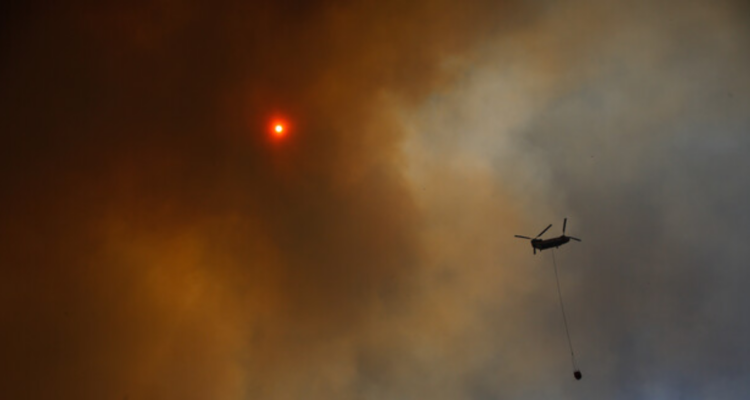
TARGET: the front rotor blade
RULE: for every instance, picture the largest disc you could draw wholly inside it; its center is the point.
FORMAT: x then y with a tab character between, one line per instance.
576	239
565	223
545	230
523	237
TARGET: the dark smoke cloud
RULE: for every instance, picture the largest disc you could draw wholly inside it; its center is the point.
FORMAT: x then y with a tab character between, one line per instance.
156	243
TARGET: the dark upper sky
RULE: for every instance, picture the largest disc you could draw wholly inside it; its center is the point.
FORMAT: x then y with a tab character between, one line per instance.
158	243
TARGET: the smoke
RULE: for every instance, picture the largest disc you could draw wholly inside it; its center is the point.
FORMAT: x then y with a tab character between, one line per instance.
157	244
632	122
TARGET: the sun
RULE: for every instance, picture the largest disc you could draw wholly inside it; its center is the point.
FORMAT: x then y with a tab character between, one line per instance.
278	128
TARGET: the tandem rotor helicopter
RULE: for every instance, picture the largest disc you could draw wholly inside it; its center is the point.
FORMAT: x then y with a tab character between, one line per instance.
537	243
542	244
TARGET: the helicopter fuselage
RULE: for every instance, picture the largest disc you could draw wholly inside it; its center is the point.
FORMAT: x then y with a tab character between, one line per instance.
543	244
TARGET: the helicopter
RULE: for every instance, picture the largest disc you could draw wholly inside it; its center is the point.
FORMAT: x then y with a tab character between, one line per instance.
542	244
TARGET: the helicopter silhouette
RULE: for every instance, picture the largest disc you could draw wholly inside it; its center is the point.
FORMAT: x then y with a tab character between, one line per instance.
542	244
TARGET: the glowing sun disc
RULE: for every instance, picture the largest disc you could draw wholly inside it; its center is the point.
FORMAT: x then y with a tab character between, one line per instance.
278	128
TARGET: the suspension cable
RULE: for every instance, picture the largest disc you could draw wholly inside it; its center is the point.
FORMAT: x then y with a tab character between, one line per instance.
565	318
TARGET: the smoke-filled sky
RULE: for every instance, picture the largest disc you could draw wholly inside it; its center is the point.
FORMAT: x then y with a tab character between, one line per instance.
158	242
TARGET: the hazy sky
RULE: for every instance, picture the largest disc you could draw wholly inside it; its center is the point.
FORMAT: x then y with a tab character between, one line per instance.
158	243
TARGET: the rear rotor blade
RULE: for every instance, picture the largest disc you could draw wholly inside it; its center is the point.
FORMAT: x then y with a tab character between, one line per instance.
523	237
565	223
545	230
576	239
